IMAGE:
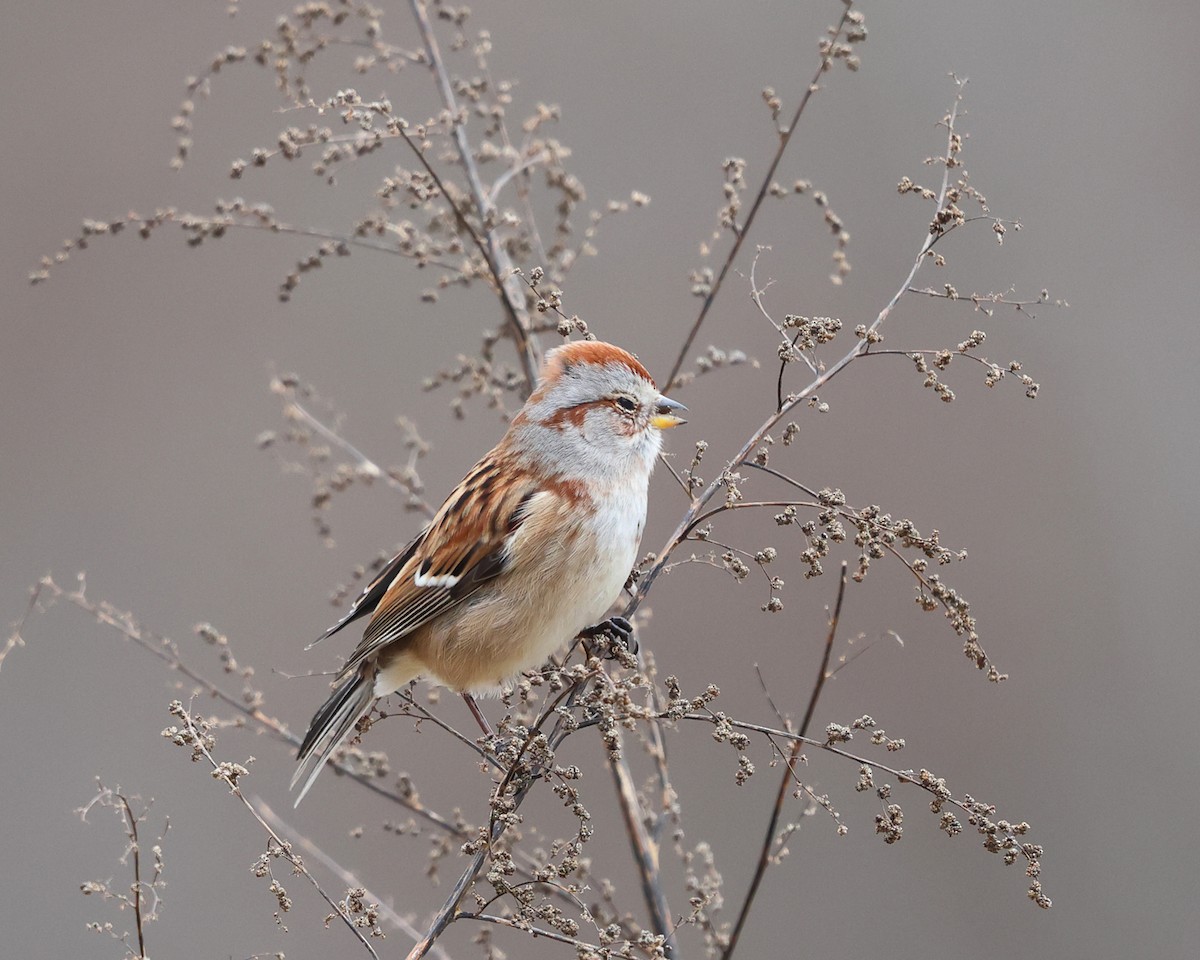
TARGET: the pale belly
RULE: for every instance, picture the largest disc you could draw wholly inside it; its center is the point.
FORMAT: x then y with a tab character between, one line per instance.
570	582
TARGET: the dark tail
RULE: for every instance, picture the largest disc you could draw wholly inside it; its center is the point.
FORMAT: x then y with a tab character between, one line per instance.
329	727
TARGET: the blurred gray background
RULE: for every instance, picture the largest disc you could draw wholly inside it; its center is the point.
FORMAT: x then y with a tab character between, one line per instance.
134	383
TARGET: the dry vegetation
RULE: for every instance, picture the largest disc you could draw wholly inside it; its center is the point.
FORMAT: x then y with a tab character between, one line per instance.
462	202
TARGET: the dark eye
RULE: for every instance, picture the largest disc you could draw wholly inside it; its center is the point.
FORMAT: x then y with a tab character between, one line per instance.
626	404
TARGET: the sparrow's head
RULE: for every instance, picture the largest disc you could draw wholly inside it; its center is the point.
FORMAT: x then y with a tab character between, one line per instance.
596	412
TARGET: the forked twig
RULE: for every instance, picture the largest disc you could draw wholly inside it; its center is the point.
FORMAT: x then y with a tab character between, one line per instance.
344	875
221	772
498	260
448	912
785	137
743	455
167	651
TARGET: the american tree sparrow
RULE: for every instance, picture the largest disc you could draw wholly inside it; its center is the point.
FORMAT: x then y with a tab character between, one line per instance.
531	548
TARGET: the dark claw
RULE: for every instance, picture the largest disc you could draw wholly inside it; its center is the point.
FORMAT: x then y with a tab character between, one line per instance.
614	628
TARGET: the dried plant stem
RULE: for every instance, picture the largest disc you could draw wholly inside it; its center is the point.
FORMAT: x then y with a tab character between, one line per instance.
793	400
740	233
979	300
468	219
344	875
645	852
284	845
160	647
785	781
15	638
135	848
361	461
533	931
845	514
144	911
508	286
644	845
448	912
227	221
902	776
166	650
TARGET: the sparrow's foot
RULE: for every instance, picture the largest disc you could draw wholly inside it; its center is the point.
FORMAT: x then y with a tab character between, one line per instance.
617	629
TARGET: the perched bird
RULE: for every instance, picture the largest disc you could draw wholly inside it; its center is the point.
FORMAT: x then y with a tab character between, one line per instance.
531	548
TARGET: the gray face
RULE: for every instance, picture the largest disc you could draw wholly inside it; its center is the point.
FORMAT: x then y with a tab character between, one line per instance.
595	420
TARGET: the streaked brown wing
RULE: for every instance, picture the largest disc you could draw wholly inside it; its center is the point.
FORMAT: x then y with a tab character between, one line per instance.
464	547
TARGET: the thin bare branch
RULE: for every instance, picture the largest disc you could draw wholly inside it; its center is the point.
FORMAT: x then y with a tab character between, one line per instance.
448	912
364	464
221	772
533	931
645	852
508	286
167	651
764	855
687	522
135	849
15	638
345	876
785	138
